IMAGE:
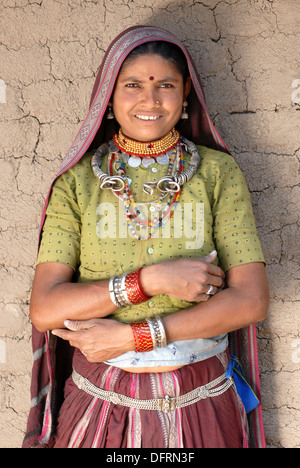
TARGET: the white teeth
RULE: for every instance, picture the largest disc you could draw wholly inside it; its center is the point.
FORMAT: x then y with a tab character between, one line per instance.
147	117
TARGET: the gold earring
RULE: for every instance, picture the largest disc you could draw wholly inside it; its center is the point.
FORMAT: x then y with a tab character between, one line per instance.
110	114
184	114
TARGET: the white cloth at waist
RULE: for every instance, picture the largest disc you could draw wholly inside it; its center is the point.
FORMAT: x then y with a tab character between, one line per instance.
176	353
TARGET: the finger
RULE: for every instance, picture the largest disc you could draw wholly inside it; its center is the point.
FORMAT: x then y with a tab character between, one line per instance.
207	278
64	334
213	280
74	338
207	291
211	268
76	325
202	298
211	257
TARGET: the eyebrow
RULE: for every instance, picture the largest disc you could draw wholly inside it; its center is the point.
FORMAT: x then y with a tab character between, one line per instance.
133	79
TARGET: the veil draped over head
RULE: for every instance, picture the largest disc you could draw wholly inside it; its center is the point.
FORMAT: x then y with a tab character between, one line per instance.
51	364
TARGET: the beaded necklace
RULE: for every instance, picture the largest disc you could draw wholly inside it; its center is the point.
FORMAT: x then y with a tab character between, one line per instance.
169	185
158	216
153	148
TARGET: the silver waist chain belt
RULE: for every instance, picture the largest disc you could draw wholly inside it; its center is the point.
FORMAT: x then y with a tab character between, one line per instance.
212	389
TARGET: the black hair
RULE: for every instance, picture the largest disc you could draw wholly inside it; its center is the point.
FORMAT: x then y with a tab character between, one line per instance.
166	50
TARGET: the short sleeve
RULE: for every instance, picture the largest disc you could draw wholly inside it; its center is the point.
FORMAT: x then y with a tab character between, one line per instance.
235	233
60	240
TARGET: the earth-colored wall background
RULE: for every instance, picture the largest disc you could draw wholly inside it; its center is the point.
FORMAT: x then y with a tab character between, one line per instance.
248	54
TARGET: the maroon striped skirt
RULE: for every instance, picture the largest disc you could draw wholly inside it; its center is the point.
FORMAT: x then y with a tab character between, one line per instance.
86	421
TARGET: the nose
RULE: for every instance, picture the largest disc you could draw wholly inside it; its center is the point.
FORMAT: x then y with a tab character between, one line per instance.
150	97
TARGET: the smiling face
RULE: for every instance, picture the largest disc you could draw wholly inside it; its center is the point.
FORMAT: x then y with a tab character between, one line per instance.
148	97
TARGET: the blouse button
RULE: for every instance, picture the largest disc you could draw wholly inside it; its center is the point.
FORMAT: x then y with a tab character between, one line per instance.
151	304
150	251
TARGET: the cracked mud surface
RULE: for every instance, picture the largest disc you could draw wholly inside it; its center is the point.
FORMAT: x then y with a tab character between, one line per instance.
248	54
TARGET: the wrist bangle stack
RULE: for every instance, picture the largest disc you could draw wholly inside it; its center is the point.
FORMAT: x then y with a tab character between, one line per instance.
149	334
126	289
133	288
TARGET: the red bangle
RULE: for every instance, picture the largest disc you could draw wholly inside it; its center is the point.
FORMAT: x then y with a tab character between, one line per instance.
142	336
133	288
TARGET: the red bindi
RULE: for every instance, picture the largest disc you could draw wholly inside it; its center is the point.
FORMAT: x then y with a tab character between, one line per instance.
151	78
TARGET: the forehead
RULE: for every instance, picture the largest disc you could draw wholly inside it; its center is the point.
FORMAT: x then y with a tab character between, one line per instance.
149	64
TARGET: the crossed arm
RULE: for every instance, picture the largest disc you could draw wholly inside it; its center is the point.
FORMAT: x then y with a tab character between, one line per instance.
76	311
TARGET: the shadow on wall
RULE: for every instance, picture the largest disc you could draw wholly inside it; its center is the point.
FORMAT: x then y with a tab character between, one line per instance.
228	101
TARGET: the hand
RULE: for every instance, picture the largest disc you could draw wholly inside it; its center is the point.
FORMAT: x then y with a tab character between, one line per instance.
185	278
98	339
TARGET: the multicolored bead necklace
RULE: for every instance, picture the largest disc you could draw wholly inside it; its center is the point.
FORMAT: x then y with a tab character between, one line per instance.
169	185
159	216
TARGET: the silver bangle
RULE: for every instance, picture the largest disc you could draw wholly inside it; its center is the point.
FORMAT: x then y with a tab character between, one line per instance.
158	332
112	292
152	331
163	337
118	292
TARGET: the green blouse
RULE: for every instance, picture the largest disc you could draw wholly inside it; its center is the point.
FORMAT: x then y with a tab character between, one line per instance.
86	227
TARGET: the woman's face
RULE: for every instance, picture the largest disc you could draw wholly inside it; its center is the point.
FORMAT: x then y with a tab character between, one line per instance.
148	97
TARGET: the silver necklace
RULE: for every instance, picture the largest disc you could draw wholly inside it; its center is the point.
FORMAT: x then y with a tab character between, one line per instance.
174	154
169	183
136	161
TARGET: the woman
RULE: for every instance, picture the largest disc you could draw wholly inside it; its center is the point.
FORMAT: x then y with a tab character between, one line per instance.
142	231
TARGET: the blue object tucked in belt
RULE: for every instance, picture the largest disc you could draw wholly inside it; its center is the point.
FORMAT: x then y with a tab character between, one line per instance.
245	392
